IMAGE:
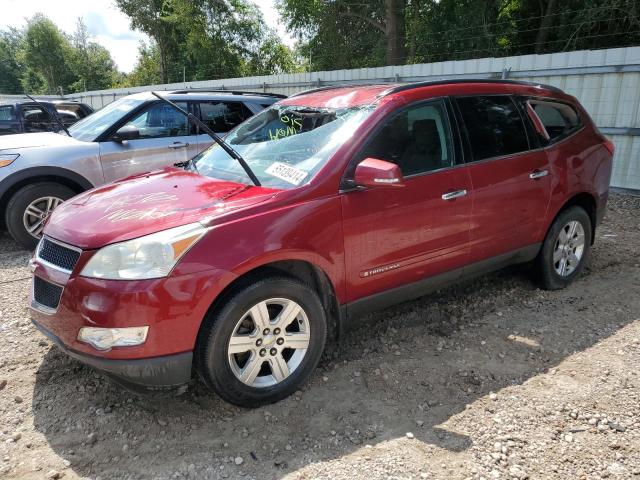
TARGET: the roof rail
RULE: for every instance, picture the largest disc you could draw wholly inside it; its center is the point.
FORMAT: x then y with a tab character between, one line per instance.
229	92
411	86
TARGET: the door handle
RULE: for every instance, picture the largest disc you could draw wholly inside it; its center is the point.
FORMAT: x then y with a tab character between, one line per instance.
175	145
538	174
453	195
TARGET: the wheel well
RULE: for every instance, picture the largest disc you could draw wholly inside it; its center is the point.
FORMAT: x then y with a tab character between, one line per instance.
76	187
301	270
588	203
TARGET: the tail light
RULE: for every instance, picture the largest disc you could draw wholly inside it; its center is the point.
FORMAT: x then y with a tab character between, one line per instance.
608	144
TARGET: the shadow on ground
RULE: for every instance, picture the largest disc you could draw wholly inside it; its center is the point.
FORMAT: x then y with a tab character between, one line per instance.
421	362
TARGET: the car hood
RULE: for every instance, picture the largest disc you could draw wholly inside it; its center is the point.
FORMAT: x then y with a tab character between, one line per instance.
31	140
145	204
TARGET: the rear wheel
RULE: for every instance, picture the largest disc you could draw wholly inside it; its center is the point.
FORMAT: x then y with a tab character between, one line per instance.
263	343
566	249
30	207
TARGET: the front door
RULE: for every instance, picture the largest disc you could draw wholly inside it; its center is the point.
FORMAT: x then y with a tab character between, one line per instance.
165	138
398	235
510	176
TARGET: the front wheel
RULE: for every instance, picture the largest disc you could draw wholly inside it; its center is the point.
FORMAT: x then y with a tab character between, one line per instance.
263	343
30	207
566	249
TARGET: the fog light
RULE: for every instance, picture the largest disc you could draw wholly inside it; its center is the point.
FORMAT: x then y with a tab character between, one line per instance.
106	338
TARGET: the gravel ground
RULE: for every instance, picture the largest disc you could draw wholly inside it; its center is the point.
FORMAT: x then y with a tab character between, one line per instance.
490	379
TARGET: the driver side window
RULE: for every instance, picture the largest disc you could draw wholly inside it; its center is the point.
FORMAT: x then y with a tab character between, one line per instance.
418	140
160	120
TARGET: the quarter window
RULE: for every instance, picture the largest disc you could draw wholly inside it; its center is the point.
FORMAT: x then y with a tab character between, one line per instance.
223	116
418	140
558	119
7	114
494	126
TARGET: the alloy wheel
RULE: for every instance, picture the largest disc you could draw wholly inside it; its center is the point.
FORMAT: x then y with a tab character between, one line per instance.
37	212
569	248
269	342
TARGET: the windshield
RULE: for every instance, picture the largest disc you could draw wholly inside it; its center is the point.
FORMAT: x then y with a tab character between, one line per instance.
91	127
285	146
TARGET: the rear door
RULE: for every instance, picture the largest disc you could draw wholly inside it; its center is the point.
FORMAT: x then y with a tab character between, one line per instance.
399	235
165	138
509	173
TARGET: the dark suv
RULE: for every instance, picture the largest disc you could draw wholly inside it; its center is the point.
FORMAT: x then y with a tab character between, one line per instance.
352	199
29	117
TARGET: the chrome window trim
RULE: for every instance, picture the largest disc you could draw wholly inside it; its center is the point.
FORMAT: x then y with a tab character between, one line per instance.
51	265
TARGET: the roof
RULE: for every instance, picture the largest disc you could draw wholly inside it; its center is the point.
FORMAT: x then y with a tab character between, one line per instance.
339	96
336	96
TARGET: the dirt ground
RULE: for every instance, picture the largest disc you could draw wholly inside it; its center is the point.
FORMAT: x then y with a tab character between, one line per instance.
490	379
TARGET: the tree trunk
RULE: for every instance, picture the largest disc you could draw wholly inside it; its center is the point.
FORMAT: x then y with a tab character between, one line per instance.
164	74
396	51
545	26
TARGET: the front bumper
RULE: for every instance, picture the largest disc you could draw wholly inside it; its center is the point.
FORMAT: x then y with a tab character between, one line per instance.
156	372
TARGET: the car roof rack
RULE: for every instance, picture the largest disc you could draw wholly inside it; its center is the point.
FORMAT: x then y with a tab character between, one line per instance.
411	86
229	92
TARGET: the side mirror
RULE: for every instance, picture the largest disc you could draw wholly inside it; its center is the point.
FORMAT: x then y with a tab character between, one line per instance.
128	132
375	173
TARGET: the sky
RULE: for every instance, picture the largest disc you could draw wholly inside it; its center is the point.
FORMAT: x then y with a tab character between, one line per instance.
106	24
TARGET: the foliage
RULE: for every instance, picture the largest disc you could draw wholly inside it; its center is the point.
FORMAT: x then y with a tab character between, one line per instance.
42	59
205	39
351	33
10	67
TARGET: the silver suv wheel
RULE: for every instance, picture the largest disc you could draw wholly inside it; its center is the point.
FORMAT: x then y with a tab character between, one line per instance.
37	212
269	342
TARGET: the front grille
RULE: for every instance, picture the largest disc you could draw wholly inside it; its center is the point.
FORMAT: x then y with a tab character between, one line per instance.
58	255
45	293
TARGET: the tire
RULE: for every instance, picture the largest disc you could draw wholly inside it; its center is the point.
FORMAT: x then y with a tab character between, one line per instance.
233	322
551	257
16	210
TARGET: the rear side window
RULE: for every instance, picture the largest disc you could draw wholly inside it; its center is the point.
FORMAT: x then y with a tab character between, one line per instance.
494	126
558	119
7	114
36	119
223	116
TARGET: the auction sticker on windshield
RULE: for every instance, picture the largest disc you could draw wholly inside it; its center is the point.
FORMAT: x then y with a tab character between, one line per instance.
285	172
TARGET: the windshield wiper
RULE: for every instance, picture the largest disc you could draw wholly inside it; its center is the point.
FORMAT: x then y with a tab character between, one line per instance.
54	115
225	146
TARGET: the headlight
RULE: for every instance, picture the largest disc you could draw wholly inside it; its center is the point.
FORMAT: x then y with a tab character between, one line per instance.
7	159
152	256
106	338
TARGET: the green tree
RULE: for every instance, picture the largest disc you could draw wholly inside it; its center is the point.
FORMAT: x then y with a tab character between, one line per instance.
147	68
90	62
10	67
45	50
155	18
207	39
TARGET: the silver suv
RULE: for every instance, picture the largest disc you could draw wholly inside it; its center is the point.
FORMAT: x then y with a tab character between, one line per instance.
134	134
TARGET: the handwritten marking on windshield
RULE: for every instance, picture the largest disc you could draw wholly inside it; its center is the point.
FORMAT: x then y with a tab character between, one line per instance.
293	126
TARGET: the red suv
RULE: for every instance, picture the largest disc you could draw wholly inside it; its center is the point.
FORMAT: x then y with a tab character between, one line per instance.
351	198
